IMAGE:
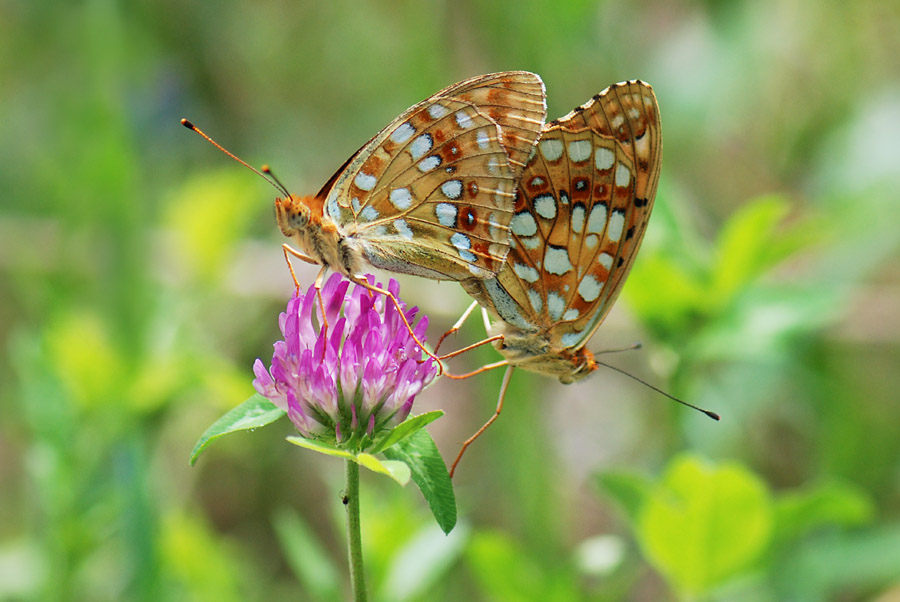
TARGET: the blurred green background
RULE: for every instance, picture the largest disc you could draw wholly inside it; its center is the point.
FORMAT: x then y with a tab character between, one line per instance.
141	275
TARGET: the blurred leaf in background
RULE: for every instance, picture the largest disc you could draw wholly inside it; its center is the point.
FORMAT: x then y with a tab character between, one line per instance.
718	531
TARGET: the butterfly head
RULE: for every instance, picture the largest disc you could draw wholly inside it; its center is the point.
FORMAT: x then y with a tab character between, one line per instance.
581	363
293	214
301	219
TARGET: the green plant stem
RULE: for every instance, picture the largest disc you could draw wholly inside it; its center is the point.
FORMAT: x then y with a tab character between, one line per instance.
354	539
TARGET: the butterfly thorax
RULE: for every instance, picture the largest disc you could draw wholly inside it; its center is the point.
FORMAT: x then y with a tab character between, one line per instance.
536	353
303	220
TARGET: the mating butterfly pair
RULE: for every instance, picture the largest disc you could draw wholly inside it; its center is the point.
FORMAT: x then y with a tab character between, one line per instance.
540	223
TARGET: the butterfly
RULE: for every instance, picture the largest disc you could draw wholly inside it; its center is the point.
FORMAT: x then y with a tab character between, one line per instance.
581	210
432	193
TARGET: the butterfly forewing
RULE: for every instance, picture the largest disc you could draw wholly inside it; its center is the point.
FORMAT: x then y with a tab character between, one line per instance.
628	113
432	193
516	101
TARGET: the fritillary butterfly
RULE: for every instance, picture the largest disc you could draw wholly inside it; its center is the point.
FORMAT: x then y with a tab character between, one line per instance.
431	194
581	211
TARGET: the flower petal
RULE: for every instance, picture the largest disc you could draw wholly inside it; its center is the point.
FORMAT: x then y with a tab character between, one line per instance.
348	374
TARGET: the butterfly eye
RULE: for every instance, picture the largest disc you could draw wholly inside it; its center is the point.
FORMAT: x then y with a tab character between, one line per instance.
292	215
299	218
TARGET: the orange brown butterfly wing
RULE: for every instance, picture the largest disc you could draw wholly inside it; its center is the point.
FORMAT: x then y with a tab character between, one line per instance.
582	207
629	113
432	193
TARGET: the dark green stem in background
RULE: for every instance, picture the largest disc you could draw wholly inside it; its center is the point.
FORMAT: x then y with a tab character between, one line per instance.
354	539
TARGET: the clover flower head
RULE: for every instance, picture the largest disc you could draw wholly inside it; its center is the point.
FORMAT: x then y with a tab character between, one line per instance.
354	374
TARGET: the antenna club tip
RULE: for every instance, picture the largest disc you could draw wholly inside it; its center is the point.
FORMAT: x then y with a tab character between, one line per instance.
187	124
712	415
265	168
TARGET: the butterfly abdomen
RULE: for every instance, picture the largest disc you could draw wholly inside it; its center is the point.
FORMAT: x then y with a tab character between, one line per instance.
536	352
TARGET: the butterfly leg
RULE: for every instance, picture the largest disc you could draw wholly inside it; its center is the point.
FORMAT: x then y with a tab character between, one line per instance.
487	328
487	319
447	356
406	323
291	251
485	368
320	278
455	328
470	440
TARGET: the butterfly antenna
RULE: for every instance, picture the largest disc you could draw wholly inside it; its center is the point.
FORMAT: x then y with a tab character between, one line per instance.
268	171
709	413
274	182
631	347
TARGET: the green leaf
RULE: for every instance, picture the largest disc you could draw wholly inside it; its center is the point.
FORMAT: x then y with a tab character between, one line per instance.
661	276
705	523
398	471
505	572
253	413
322	448
502	569
830	503
429	472
307	557
406	429
423	561
629	490
745	246
832	564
